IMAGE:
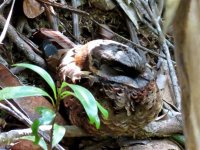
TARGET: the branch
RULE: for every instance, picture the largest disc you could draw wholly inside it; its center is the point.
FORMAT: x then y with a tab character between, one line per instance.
21	44
155	129
165	48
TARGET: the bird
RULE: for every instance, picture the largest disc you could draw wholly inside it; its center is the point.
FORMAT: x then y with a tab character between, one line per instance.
120	80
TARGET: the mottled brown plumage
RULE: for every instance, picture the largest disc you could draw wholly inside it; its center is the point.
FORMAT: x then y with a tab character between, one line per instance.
119	80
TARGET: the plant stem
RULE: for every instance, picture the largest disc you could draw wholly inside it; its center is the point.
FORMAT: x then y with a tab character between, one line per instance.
54	120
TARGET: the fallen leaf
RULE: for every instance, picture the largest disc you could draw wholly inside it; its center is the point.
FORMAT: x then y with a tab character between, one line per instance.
32	8
24	145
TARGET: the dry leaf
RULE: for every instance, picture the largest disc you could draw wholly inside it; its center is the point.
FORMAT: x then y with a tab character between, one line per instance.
32	8
56	37
24	145
130	12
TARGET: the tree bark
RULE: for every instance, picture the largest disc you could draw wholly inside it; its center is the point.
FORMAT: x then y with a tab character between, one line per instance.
187	39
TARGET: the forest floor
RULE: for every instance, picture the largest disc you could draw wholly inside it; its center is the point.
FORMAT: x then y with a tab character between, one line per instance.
136	24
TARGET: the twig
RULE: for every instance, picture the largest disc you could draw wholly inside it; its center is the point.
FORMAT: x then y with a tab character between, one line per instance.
6	137
30	43
23	46
67	7
11	135
132	32
166	127
134	37
16	70
19	113
75	20
155	33
141	10
10	111
3	34
154	8
51	15
4	4
163	43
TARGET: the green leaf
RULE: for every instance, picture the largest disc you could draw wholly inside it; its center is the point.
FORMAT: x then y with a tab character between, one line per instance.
179	138
41	142
22	91
44	74
88	101
35	127
102	110
63	85
66	93
58	134
47	115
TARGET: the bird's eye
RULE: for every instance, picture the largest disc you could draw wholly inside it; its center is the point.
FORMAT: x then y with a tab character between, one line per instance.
95	63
